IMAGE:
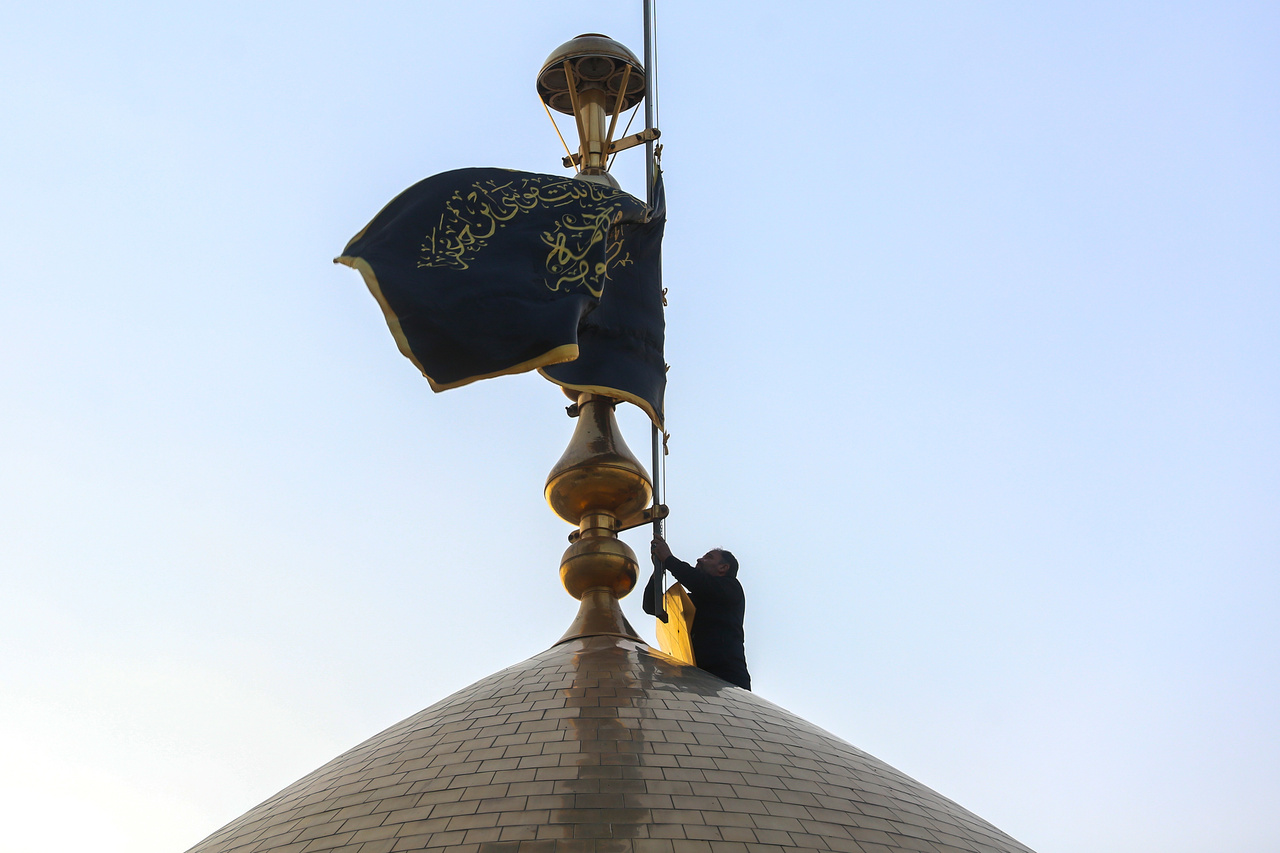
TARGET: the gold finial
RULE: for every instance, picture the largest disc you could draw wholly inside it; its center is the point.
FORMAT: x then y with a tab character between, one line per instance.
599	485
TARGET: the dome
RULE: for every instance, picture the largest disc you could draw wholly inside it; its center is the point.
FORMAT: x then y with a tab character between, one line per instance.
601	743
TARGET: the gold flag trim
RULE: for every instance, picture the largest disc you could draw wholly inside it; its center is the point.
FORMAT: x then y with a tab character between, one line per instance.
555	355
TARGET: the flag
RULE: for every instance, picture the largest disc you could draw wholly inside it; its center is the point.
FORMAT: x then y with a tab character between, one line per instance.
484	272
621	339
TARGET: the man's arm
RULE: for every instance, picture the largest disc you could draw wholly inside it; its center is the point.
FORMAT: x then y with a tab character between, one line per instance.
702	586
653	592
699	583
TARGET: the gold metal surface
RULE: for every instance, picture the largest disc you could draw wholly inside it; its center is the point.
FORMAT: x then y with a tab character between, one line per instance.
645	516
673	635
599	562
595	60
599	614
591	112
603	745
596	485
597	472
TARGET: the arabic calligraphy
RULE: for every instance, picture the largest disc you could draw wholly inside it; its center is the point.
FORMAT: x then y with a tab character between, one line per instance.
574	259
571	244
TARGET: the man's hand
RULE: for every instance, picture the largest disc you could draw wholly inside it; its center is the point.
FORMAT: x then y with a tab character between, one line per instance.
660	549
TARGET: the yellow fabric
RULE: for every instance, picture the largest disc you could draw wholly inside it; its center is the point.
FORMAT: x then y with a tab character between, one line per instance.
673	635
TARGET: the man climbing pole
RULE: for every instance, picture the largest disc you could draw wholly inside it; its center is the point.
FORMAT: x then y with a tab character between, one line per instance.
720	604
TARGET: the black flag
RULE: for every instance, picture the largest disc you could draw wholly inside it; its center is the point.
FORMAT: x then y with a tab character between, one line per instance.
621	339
483	272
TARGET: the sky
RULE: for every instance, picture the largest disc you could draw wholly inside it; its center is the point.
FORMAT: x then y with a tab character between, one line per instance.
974	333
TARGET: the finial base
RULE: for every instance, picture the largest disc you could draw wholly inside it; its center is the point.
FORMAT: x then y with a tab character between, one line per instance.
599	614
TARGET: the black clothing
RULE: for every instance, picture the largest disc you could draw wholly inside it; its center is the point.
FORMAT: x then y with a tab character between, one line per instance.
716	635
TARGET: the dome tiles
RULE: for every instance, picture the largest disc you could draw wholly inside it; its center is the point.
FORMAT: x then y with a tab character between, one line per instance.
602	744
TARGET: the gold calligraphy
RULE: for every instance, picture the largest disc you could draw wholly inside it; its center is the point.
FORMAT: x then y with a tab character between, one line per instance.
570	248
472	217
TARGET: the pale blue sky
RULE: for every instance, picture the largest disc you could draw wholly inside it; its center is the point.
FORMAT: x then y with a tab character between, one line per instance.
975	340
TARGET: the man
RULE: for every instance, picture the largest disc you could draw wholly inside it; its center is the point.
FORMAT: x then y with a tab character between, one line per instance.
713	586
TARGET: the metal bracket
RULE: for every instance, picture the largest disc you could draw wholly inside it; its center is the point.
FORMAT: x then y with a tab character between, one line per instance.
620	145
644	516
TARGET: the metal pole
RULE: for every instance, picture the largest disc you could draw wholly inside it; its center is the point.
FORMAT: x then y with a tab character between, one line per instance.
650	74
650	88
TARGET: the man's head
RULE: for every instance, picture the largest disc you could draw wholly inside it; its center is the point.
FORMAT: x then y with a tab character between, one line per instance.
719	563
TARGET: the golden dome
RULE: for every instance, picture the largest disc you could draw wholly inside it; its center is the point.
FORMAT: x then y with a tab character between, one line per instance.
601	743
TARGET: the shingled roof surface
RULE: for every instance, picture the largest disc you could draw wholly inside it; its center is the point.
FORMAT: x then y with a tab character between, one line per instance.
604	744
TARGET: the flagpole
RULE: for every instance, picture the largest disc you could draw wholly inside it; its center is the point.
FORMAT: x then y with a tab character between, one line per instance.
650	83
650	89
